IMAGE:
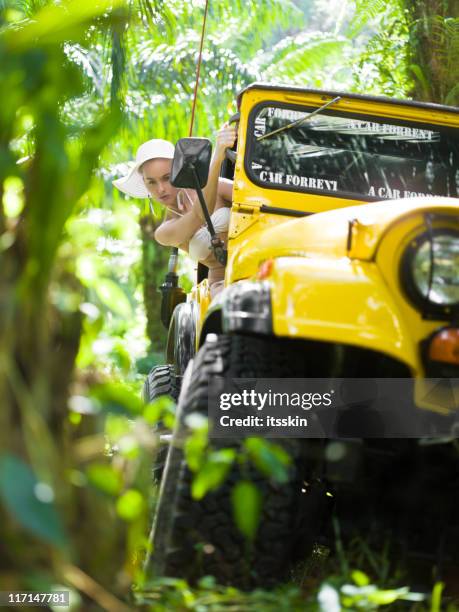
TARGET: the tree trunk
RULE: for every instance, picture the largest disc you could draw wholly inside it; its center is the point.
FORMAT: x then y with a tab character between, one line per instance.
155	258
434	49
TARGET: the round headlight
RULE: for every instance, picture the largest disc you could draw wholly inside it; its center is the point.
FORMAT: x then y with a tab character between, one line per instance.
430	271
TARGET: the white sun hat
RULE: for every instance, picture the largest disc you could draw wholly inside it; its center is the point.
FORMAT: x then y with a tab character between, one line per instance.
132	183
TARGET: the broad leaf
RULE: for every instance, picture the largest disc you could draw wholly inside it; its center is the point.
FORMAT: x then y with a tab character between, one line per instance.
247	504
29	501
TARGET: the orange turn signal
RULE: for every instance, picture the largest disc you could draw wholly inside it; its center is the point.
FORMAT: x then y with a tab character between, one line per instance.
265	269
444	346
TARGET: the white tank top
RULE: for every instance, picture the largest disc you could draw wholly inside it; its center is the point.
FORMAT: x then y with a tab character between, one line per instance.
199	247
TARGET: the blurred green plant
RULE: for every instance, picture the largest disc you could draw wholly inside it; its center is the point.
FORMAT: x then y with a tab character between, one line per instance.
60	489
338	594
211	467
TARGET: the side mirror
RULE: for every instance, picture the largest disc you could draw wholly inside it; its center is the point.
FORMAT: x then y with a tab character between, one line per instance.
191	162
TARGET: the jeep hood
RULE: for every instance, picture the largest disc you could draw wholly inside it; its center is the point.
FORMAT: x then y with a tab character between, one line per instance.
331	233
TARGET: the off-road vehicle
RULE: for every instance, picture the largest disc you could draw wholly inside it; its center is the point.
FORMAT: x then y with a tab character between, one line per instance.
342	261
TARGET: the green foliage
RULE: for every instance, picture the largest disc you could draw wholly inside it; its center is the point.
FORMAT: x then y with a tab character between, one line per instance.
105	478
213	472
334	595
413	51
369	597
131	505
196	444
366	11
113	296
247	505
162	409
117	398
436	597
63	261
295	59
434	40
269	458
383	66
30	501
168	594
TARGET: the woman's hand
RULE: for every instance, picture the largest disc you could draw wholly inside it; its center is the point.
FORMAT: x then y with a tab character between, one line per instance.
226	137
184	202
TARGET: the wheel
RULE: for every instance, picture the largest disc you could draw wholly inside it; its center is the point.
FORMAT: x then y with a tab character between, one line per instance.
161	381
194	538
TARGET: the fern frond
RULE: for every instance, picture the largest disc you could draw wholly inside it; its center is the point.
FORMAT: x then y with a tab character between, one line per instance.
296	55
365	12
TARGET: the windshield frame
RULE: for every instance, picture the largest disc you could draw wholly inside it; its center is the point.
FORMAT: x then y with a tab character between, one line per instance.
341	195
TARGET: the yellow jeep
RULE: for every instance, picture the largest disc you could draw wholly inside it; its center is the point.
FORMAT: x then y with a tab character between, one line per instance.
342	261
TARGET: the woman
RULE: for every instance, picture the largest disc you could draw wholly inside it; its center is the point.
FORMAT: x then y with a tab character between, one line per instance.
184	224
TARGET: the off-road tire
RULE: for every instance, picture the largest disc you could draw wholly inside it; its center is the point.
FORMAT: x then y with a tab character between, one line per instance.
195	538
161	381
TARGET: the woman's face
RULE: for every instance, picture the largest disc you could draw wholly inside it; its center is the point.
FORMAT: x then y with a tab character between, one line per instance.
156	175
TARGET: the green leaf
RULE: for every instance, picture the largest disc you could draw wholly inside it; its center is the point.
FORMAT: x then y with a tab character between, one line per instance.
130	505
29	501
247	503
57	23
366	10
13	196
117	398
213	472
435	604
113	297
121	356
269	458
305	52
88	266
195	449
452	97
419	74
207	582
384	598
162	406
105	478
360	578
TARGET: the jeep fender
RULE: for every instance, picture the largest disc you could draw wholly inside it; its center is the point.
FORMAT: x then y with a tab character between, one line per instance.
339	300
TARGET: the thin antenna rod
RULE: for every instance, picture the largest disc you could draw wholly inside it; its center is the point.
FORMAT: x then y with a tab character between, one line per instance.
198	69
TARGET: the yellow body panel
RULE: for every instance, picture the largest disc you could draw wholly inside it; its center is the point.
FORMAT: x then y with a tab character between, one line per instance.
335	275
339	300
201	295
320	289
327	234
253	196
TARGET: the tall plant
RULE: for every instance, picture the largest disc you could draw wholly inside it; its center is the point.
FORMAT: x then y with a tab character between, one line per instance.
49	524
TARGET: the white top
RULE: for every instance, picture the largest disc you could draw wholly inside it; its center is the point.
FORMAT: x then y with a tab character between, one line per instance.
199	247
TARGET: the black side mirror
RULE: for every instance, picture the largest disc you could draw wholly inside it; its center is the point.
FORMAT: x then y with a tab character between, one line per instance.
191	160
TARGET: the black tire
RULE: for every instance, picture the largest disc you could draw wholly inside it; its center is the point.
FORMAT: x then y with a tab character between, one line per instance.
195	538
161	381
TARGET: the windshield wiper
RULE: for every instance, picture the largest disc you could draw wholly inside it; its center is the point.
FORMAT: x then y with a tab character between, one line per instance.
298	121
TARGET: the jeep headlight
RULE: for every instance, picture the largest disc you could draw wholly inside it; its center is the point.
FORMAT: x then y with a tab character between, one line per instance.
247	306
430	269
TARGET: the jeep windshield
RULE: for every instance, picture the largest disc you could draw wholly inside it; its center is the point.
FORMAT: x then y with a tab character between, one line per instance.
358	158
